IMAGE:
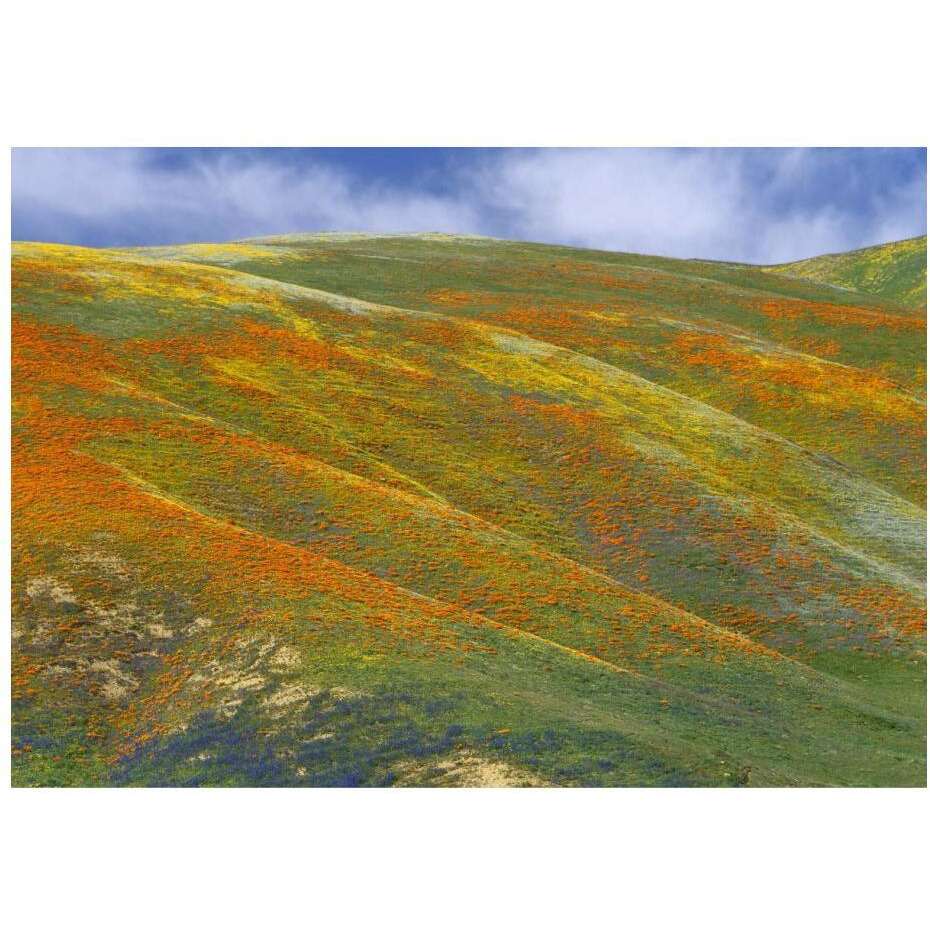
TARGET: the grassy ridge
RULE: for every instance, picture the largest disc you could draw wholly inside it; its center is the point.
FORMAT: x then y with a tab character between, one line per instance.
431	510
896	271
805	361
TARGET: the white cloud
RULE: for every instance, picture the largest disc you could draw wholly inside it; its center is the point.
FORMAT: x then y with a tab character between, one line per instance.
638	200
66	194
741	205
706	203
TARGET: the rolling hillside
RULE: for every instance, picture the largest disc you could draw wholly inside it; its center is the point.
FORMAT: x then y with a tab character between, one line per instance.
895	271
429	510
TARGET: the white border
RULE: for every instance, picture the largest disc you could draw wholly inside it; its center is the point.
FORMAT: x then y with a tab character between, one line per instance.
484	73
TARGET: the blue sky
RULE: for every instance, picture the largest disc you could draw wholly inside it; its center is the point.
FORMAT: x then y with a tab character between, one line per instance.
753	205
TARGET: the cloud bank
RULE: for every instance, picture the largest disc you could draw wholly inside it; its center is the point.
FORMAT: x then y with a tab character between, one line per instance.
752	205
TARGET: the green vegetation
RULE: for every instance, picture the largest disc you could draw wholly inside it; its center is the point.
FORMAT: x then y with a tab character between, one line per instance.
372	510
896	271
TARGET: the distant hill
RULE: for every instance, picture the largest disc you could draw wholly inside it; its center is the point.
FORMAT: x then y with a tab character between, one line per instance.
446	510
896	271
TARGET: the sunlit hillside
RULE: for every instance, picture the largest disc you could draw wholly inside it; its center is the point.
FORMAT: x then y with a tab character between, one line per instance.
428	510
895	271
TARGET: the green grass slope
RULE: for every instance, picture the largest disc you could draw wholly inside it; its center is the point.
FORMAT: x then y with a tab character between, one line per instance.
358	510
896	271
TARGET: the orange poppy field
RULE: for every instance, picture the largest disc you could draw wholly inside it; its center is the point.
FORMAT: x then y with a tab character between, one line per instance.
362	510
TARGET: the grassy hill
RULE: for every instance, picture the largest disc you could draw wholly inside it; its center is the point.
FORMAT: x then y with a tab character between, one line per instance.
896	271
369	510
